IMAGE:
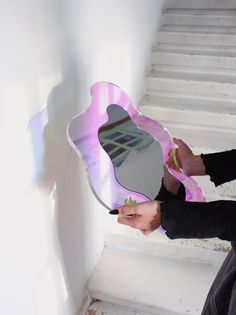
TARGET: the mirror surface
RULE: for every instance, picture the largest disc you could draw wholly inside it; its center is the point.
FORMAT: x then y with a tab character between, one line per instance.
136	156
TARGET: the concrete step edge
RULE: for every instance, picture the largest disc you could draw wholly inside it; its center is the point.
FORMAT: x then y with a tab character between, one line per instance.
187	19
203	69
102	308
187	95
195	77
203	29
190	87
197	38
208	120
200	4
223	63
186	102
205	50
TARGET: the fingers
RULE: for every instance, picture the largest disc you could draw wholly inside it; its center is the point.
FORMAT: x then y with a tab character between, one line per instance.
183	147
174	160
144	216
178	141
127	210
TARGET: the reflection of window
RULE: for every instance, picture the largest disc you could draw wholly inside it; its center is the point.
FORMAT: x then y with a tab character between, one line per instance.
113	135
125	139
117	153
121	139
109	147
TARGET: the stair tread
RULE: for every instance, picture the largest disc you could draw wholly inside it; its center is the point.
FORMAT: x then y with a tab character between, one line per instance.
182	102
201	4
227	60
196	34
201	12
143	282
215	133
191	49
196	76
201	29
102	308
198	38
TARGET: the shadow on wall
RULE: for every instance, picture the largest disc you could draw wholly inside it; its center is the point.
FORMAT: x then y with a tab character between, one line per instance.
57	169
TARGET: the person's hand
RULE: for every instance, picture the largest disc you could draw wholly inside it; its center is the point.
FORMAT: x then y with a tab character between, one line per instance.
144	216
189	163
170	182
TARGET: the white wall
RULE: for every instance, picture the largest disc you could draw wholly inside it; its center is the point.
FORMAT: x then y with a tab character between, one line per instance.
51	225
113	39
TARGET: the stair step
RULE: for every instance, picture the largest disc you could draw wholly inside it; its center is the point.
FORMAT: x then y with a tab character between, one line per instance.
193	63
152	284
200	4
193	60
210	73
198	119
213	131
195	76
199	29
197	38
198	20
103	308
201	12
196	49
182	101
197	84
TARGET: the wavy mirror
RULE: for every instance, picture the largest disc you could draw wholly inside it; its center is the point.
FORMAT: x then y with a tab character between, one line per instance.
123	150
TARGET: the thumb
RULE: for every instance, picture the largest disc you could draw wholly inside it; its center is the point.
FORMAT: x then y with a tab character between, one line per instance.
179	142
182	145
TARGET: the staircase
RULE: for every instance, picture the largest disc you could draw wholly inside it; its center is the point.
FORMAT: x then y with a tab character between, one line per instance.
191	89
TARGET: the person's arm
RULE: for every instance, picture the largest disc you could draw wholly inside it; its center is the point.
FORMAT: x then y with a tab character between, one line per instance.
199	219
183	219
220	166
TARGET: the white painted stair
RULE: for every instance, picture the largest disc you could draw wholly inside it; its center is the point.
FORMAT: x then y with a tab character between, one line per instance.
191	89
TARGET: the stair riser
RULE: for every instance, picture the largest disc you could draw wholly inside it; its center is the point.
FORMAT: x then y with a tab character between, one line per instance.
207	89
200	4
197	69
197	20
196	50
197	39
185	60
199	29
194	12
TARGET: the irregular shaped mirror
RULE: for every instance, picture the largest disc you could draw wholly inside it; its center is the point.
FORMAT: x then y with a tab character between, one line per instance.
123	150
135	155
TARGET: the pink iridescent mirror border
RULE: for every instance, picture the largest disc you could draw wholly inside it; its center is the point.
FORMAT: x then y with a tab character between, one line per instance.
82	134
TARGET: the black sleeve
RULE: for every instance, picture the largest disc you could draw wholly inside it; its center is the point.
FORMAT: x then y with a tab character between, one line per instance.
164	194
221	166
182	219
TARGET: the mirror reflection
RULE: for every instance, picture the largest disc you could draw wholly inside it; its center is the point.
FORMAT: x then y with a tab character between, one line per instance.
136	156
